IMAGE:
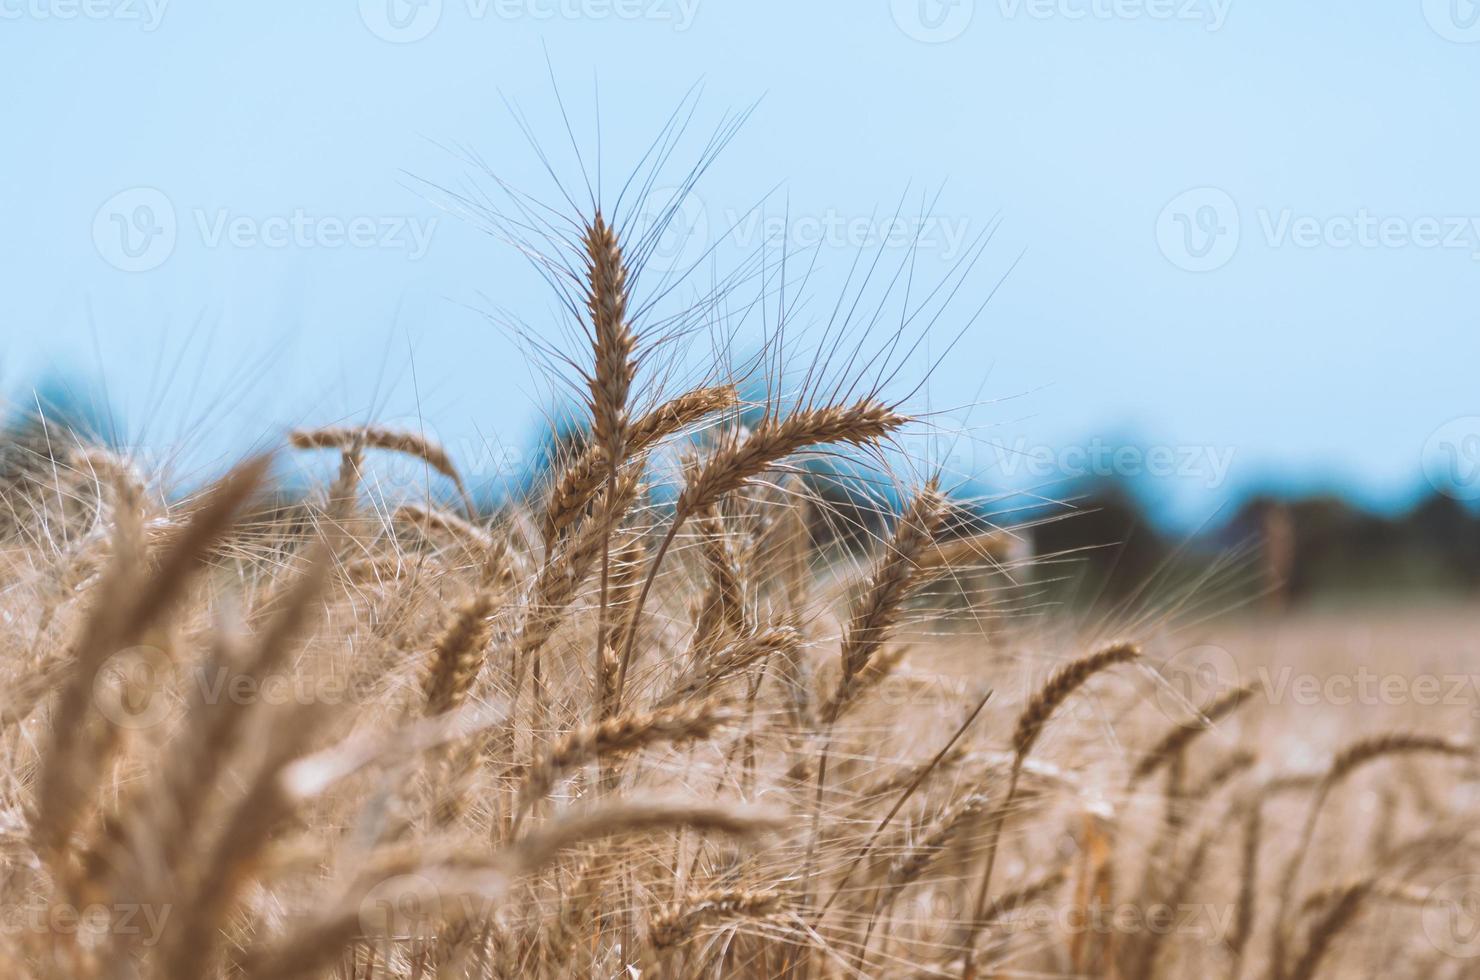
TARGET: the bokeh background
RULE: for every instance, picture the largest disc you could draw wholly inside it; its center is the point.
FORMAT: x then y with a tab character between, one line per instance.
1223	255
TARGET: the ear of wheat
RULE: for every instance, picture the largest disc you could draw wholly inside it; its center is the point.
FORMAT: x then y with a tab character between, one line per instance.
648	715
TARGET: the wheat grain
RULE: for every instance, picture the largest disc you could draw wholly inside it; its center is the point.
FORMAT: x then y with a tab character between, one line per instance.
612	340
892	582
621	734
676	926
1064	682
458	655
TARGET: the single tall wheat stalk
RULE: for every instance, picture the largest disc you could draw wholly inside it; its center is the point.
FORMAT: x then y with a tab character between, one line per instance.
1064	682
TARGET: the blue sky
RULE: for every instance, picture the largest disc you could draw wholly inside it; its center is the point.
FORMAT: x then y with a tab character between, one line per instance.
1240	238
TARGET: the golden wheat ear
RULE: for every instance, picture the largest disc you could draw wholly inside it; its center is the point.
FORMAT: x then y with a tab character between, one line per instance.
678	925
1064	682
910	865
890	587
624	818
579	481
432	521
721	609
741	459
1033	891
1176	741
1224	772
1035	715
1367	750
1342	909
612	340
619	735
129	604
458	655
414	444
1346	761
564	570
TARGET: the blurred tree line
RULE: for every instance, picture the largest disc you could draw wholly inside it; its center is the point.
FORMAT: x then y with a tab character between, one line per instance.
1288	551
1095	544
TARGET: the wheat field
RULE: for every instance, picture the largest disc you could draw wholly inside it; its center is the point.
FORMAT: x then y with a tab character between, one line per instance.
652	722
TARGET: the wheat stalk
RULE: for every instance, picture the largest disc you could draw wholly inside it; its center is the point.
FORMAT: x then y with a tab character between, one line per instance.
539	847
619	735
75	755
413	444
1176	741
1040	708
1343	907
457	655
894	580
910	865
675	926
740	459
612	339
1343	764
580	480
